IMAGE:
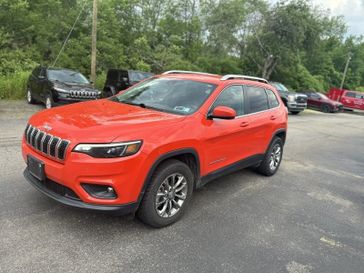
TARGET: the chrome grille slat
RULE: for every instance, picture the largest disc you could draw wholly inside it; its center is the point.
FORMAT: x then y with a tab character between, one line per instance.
83	94
45	143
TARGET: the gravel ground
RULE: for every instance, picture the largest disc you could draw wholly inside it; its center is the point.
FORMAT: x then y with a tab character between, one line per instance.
309	217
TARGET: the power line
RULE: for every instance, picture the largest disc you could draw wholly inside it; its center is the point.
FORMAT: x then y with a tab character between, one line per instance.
69	34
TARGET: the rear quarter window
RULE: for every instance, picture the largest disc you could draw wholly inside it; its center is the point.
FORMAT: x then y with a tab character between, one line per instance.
272	99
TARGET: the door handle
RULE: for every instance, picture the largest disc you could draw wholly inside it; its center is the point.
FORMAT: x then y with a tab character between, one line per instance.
273	117
244	124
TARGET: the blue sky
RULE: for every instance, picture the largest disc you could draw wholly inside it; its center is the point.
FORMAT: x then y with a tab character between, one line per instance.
352	10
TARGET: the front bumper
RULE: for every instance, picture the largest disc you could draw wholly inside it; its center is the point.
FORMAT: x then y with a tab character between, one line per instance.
126	175
65	101
67	197
294	106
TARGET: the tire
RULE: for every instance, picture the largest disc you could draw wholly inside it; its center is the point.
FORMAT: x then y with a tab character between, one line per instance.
295	112
325	108
167	212
265	166
49	103
30	98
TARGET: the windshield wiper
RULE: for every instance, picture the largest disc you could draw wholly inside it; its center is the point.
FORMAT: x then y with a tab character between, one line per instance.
135	104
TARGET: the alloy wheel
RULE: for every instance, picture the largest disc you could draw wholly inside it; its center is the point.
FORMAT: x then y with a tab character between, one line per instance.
48	103
29	96
275	157
171	195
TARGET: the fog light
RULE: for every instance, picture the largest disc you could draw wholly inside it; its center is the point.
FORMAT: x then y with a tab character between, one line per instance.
100	191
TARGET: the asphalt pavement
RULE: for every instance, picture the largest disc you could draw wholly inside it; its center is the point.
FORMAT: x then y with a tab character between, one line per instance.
309	217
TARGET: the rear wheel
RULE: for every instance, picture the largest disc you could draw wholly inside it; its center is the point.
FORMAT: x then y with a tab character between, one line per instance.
272	158
30	98
168	194
325	108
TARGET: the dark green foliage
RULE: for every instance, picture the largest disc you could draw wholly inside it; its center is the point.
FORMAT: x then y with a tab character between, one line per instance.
292	41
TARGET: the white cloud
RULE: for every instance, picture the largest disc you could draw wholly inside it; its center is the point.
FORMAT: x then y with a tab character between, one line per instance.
352	10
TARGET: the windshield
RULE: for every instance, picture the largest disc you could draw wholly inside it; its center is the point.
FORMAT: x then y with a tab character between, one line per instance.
323	96
167	94
280	87
67	76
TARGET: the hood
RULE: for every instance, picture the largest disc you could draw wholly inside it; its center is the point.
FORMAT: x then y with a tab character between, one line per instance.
74	86
101	121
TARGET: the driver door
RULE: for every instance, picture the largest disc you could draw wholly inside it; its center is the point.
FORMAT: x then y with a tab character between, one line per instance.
227	141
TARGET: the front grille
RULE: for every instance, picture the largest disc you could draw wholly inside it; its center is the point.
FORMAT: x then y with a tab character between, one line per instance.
301	99
77	94
45	143
59	189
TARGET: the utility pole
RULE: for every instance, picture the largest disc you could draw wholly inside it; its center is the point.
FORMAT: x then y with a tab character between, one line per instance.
93	46
345	70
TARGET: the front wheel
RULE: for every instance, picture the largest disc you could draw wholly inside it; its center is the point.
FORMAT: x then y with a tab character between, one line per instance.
168	194
295	112
49	102
272	159
325	108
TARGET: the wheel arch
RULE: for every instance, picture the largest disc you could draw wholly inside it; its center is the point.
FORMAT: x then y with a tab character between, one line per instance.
189	156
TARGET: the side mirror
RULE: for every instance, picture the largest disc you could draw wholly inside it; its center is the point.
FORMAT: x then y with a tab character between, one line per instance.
222	112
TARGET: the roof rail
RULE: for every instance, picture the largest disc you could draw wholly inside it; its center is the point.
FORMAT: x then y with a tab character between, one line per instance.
231	76
187	72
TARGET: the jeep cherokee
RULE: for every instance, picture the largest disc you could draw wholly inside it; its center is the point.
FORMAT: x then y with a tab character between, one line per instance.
59	86
147	149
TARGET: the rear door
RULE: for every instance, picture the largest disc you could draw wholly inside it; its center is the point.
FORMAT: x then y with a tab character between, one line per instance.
33	82
227	141
314	100
42	84
261	117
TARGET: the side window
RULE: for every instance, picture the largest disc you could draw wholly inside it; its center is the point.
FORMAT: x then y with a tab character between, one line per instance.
272	99
257	99
350	94
232	97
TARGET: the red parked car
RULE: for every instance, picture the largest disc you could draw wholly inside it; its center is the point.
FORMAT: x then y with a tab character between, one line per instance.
146	149
352	100
319	101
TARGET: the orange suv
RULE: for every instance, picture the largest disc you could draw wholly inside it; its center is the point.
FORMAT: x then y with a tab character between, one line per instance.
148	148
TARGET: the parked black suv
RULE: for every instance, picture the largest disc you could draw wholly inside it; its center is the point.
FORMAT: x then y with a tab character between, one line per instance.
57	86
295	102
118	79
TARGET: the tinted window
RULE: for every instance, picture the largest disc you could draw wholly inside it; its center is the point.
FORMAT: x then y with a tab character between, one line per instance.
257	99
112	75
167	94
138	76
272	99
232	97
350	94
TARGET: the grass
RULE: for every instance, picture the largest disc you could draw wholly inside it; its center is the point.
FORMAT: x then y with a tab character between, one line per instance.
14	86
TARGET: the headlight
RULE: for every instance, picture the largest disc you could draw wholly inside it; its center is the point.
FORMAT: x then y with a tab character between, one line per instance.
61	90
291	98
109	150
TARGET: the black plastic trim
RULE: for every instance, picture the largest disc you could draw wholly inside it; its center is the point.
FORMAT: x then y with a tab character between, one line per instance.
112	209
241	164
164	157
